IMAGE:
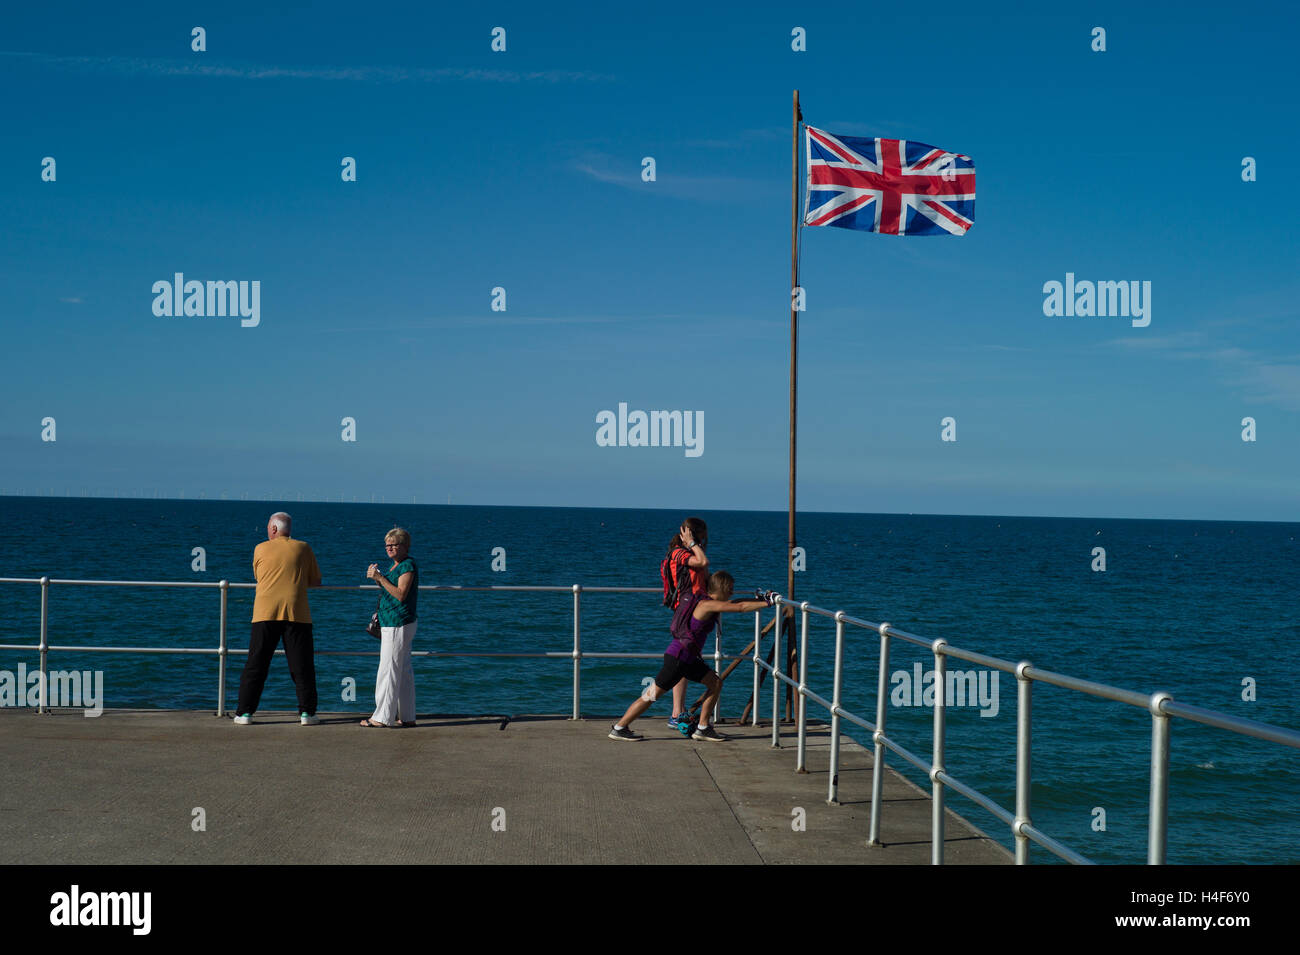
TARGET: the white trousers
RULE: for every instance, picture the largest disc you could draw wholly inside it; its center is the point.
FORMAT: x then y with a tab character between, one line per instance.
395	684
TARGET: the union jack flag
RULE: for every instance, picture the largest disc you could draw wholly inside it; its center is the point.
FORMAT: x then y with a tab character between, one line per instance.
894	186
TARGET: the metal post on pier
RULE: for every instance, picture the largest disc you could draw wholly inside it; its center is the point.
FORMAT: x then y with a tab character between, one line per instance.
832	797
1158	819
222	651
878	757
717	668
758	638
800	766
776	675
577	648
936	767
45	643
1024	723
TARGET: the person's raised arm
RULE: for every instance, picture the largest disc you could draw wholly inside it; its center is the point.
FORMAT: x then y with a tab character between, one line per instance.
730	606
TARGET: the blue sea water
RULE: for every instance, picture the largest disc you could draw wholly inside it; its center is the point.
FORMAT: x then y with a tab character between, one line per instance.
1194	608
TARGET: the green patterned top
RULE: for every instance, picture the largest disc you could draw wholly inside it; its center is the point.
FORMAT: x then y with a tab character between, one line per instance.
393	612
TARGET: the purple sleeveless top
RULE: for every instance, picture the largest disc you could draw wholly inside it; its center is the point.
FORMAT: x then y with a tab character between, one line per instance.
694	649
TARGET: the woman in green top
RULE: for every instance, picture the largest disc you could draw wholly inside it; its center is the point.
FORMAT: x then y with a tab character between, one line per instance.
399	586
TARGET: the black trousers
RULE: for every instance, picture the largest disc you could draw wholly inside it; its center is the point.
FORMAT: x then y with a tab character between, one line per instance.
299	650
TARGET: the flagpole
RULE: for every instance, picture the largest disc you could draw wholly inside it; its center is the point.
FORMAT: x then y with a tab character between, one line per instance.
794	333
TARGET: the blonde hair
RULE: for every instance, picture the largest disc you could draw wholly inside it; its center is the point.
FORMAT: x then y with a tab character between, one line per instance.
398	535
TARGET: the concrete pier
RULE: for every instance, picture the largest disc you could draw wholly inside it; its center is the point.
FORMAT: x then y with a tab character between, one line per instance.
127	787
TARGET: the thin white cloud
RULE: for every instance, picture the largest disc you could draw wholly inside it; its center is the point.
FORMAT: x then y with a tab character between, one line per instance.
1179	340
605	175
741	137
498	319
143	66
1267	379
74	300
493	319
669	183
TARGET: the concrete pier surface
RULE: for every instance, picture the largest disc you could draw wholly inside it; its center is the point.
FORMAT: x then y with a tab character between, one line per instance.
133	786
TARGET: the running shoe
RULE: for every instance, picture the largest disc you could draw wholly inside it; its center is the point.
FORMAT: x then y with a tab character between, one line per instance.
624	733
243	719
308	719
708	733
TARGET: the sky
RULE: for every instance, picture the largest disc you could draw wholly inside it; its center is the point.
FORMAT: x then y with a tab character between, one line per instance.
522	169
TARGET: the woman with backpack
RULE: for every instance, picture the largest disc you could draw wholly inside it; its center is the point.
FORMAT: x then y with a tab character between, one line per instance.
694	619
685	570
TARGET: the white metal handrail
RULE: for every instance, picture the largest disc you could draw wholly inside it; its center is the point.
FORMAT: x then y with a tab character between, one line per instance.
1160	704
223	650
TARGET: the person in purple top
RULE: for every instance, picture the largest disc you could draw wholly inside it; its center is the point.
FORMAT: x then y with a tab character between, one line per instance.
695	619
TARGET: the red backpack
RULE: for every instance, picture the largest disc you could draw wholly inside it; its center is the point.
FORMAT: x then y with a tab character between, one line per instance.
675	575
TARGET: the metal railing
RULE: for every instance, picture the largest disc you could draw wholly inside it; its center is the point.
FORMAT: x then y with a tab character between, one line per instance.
223	650
1161	705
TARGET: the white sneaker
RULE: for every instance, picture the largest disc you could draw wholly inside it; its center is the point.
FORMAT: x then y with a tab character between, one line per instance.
307	719
243	719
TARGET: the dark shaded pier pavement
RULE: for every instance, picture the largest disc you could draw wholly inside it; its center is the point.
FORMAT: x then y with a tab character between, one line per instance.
124	787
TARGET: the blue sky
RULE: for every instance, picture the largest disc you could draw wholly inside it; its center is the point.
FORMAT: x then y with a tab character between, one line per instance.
521	169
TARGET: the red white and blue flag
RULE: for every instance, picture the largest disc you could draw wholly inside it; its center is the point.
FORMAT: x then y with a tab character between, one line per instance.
894	186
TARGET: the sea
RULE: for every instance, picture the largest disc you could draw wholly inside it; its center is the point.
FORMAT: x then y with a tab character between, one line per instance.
1205	610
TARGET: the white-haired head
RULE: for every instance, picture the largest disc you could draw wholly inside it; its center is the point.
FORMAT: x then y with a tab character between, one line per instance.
282	523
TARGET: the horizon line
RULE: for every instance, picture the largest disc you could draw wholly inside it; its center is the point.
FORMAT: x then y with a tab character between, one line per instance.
4	495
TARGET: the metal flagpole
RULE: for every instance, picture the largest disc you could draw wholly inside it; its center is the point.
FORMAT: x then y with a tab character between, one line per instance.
794	391
794	334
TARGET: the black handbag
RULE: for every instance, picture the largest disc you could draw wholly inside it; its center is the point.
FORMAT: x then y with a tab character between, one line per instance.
372	628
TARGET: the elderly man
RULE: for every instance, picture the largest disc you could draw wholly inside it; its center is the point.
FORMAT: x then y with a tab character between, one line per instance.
284	568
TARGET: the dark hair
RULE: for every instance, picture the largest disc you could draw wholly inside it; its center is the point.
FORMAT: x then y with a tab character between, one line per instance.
699	531
723	583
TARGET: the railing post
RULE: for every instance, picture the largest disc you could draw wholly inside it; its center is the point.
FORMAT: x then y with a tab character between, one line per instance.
800	766
758	637
717	668
776	670
45	644
1024	775
878	757
1158	820
221	652
577	648
936	767
832	797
